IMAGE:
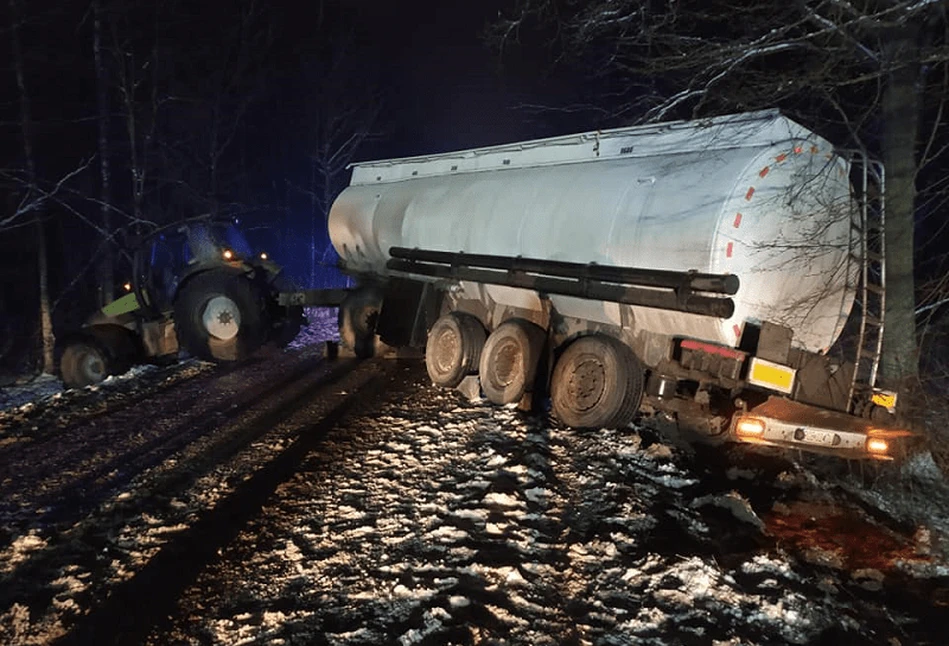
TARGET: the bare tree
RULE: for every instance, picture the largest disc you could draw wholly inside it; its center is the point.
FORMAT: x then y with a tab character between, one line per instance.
31	202
139	76
857	70
105	274
343	112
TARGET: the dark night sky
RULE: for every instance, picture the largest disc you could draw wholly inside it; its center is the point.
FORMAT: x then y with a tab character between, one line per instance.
449	89
443	89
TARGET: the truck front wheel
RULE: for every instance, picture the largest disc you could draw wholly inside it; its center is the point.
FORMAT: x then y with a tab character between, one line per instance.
597	383
219	316
453	349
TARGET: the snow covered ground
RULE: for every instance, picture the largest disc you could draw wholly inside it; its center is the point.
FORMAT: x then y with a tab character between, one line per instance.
423	518
451	522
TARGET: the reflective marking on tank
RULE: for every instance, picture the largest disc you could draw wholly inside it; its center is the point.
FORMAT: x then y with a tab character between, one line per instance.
814	150
737	329
798	150
737	220
764	171
751	191
728	250
780	158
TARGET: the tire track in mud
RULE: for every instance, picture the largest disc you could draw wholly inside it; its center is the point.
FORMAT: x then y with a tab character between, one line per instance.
105	456
134	607
95	543
48	422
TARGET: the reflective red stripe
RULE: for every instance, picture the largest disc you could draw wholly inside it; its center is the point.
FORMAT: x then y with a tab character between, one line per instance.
751	191
728	250
711	348
737	220
763	171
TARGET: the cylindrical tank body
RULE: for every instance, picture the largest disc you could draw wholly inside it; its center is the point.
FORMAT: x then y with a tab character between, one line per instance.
754	195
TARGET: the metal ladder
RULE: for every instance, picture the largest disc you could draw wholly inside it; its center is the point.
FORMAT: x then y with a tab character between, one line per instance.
869	253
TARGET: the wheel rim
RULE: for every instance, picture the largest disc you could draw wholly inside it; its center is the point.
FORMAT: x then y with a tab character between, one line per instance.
92	366
505	364
586	383
222	318
447	351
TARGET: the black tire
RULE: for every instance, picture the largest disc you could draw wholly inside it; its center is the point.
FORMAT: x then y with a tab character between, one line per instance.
122	345
220	316
597	383
453	348
509	360
358	314
85	363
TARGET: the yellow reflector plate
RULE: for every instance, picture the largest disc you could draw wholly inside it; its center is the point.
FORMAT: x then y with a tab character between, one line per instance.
771	375
885	399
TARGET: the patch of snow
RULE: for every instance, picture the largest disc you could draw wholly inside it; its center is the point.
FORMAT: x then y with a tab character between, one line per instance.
503	501
734	502
22	548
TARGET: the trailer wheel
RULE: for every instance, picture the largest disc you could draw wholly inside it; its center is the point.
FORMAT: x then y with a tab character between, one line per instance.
358	314
84	363
597	383
509	360
453	349
219	316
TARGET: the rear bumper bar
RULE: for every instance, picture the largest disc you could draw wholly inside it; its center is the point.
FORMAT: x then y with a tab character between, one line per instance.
788	424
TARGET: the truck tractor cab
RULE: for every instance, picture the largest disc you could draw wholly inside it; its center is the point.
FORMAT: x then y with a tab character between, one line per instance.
197	286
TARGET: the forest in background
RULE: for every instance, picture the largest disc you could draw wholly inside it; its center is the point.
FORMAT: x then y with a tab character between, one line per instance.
121	116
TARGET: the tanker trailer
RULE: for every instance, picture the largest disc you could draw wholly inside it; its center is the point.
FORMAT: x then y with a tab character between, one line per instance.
702	268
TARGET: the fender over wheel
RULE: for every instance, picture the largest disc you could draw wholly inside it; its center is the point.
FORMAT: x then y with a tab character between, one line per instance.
453	349
220	316
509	360
597	383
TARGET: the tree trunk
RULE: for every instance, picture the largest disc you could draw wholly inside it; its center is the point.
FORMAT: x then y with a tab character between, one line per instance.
26	130
105	276
900	125
46	310
313	209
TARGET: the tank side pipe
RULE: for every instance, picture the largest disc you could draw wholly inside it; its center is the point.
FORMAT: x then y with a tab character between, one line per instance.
694	281
666	299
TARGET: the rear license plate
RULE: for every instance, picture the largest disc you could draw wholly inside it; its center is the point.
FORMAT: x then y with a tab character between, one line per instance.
815	436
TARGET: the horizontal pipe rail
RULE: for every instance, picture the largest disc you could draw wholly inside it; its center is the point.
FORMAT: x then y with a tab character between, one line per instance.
666	290
714	283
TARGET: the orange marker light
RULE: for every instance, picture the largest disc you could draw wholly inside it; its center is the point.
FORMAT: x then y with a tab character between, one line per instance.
228	254
128	287
877	446
750	428
263	256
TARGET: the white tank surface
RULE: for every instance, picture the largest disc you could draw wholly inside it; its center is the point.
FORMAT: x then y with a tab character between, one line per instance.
756	195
